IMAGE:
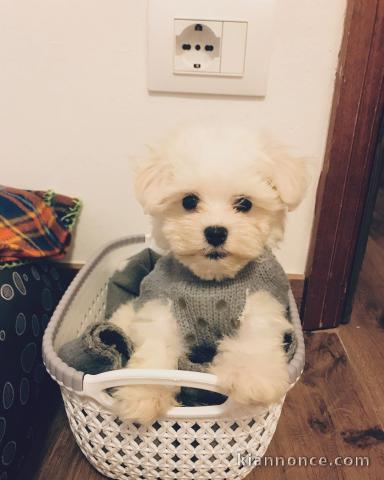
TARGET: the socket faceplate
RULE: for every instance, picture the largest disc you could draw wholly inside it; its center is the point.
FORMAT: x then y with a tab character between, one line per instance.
246	26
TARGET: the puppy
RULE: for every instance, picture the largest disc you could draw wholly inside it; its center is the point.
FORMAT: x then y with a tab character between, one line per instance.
218	196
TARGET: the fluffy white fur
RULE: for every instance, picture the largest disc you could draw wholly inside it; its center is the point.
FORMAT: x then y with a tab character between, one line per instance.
219	164
252	366
153	330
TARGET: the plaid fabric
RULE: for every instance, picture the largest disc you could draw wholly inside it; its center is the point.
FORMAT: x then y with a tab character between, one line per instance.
35	224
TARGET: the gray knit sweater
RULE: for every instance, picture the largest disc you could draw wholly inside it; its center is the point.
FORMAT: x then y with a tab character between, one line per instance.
208	310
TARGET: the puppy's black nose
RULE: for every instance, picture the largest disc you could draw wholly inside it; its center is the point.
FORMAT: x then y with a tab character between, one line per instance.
215	235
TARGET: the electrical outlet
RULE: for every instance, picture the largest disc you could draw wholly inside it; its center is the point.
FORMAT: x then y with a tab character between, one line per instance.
210	46
197	46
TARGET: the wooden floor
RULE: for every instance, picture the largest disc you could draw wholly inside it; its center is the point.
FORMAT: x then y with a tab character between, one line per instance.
336	410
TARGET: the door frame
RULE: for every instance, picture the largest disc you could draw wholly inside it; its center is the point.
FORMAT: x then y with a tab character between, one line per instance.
350	153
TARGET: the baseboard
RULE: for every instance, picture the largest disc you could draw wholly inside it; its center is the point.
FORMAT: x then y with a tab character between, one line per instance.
71	265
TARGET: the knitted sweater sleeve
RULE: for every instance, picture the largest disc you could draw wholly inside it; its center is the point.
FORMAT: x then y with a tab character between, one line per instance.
272	278
275	280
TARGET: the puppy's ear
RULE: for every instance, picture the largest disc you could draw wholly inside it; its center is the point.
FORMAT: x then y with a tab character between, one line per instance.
288	174
153	181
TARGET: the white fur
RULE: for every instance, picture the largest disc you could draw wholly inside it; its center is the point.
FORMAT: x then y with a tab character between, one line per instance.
251	366
153	331
218	163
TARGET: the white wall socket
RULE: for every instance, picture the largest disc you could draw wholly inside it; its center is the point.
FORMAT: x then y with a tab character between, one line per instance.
197	46
209	46
205	47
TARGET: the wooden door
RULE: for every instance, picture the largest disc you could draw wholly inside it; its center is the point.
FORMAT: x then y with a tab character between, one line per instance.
344	183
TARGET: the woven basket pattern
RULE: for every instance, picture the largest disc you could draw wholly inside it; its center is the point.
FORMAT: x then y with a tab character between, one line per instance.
168	449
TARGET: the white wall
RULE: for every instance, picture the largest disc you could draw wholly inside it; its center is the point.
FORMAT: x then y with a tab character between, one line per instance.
74	105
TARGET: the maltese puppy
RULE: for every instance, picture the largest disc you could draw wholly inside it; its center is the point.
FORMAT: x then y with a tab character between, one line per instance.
218	300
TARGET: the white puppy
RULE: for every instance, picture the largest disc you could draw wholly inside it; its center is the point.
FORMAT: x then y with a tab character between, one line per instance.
218	196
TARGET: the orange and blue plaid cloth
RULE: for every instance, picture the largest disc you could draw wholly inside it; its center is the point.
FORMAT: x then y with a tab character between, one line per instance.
35	224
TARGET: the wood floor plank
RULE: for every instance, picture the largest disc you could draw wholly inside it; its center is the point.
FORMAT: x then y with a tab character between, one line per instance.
327	414
363	337
63	460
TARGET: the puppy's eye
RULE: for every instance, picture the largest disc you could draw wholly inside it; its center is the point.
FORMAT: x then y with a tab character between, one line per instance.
242	204
190	202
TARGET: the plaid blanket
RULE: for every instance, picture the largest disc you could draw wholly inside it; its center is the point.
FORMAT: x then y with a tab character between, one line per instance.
34	224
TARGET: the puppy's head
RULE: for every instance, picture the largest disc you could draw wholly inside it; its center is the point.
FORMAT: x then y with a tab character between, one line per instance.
218	195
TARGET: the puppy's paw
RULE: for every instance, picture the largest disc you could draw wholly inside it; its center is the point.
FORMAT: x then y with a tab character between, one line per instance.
143	403
252	385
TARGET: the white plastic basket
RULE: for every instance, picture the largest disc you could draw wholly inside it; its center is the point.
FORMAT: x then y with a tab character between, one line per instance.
190	442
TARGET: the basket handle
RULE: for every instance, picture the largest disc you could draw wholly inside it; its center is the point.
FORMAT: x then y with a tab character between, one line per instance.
94	386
